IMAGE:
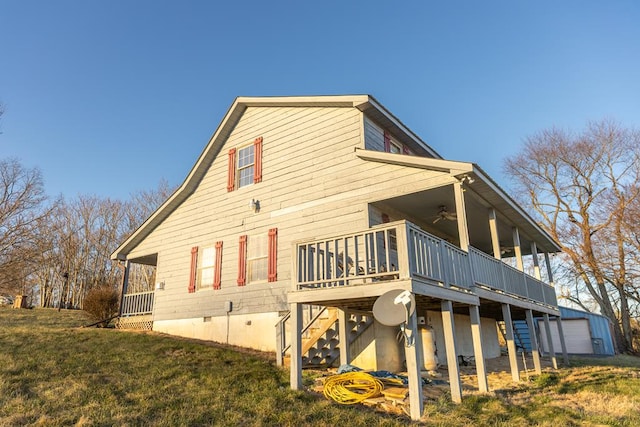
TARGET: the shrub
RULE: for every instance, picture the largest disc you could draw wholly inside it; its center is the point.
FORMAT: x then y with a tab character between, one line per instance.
101	304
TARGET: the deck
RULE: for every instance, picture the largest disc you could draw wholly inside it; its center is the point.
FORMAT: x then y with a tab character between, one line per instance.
413	259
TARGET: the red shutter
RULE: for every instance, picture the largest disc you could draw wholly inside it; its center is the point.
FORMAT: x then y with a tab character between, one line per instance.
257	167
405	150
194	269
387	142
231	178
217	274
242	261
273	251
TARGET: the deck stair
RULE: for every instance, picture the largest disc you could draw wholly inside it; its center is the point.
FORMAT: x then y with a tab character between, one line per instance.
320	337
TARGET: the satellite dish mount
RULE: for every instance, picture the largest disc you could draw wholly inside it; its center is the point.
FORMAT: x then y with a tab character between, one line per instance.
394	308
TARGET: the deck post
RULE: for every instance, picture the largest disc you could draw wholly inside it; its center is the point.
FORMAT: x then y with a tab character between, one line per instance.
547	261
476	334
511	344
495	238
535	351
517	249
552	353
536	261
296	346
413	356
565	356
452	354
461	216
343	334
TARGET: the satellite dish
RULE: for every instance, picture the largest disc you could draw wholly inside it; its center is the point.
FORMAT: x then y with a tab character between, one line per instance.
390	308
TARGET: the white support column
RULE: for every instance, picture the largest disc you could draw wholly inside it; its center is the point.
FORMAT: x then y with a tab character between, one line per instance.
296	346
343	334
535	351
476	335
413	356
125	284
461	214
536	261
552	353
565	355
452	354
511	344
517	249
495	237
547	261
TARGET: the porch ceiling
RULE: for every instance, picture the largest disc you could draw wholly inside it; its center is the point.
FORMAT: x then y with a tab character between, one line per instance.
151	259
422	209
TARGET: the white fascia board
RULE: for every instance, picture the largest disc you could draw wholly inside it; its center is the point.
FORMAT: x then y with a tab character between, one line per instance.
304	101
439	165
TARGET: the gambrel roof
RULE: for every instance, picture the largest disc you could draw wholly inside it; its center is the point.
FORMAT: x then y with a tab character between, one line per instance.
374	110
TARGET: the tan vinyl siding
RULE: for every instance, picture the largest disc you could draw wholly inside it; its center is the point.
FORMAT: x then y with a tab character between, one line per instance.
312	184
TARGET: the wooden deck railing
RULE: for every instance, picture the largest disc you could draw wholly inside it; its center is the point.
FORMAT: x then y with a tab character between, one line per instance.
401	250
137	304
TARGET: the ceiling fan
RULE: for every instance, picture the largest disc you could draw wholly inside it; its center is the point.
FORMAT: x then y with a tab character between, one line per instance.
505	250
443	213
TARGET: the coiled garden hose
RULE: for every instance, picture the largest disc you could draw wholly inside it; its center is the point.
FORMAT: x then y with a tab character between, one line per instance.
352	387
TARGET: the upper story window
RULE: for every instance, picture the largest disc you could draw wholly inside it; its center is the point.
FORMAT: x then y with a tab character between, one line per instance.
245	165
391	145
395	148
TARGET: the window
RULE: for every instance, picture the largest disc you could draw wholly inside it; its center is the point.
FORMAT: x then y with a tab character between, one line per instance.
257	258
257	263
245	165
206	268
393	146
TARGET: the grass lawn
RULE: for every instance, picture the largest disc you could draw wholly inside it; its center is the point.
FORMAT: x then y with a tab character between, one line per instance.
54	373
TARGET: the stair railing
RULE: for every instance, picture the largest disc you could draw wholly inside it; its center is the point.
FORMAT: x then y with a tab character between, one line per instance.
281	336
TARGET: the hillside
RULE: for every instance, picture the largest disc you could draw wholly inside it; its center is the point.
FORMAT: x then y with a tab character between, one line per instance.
54	373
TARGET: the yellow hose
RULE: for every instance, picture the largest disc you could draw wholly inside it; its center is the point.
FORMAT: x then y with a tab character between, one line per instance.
352	387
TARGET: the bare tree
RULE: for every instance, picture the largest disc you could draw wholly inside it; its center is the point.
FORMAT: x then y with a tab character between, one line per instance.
21	207
581	188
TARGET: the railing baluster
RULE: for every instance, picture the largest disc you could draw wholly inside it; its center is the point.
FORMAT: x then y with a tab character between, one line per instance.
326	263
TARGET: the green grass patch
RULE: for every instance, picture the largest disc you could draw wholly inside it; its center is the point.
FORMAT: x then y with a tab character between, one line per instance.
53	373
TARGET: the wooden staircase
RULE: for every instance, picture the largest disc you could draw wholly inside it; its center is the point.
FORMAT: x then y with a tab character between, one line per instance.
321	340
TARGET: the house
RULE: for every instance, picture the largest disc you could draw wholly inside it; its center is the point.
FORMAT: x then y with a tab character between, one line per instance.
305	210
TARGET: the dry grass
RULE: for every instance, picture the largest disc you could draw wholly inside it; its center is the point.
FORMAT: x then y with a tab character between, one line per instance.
53	374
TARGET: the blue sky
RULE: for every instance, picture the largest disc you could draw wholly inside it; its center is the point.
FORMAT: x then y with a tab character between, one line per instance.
110	97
